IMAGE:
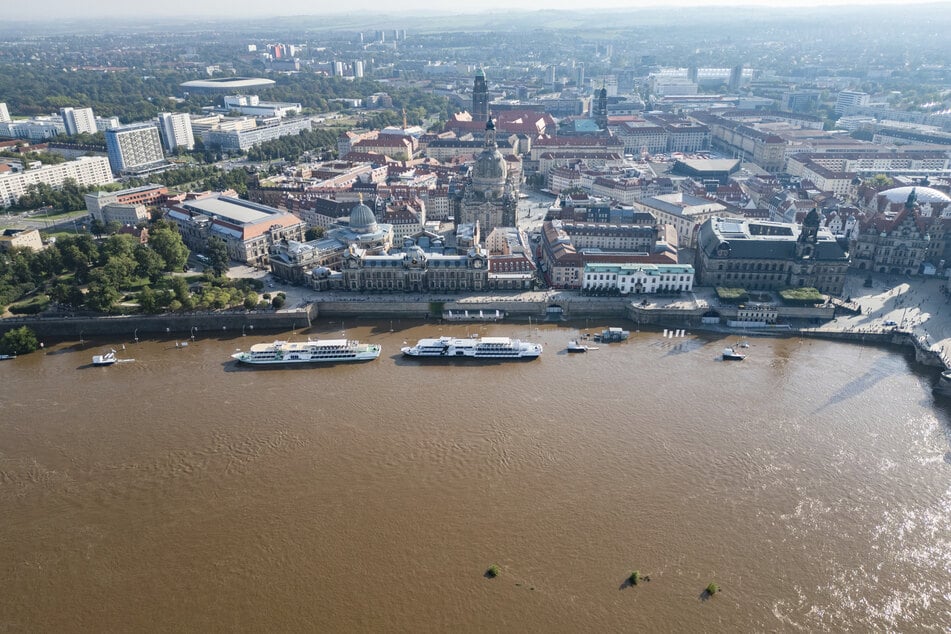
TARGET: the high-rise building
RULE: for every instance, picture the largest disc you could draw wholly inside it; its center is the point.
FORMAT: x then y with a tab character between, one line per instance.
176	131
736	78
847	99
78	120
134	148
358	68
480	97
4	113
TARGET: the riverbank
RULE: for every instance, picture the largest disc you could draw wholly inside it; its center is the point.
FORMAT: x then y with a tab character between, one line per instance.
891	312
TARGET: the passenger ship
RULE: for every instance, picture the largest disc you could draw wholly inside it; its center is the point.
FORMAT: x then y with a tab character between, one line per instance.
474	348
319	351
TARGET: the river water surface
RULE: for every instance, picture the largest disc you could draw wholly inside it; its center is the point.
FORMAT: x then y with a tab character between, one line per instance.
811	481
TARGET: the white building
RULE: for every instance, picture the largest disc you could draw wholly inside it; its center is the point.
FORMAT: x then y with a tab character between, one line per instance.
253	106
106	123
848	99
36	129
78	120
86	170
176	131
4	113
134	148
638	278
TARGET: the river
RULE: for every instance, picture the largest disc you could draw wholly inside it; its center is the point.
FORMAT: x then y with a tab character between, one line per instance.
180	492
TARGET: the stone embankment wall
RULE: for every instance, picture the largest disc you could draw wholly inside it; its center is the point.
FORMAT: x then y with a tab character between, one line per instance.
79	327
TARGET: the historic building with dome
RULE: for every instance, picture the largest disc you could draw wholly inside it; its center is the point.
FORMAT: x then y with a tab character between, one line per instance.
490	197
412	270
293	260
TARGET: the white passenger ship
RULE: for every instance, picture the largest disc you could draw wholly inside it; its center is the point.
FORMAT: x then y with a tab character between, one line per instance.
319	351
474	348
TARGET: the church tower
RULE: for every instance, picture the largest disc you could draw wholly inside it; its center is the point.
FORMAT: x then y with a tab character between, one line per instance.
480	97
808	236
601	109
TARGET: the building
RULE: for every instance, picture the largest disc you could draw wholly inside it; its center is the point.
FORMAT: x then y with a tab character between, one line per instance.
124	214
848	100
634	278
135	149
684	212
85	170
145	195
78	120
490	198
248	229
176	131
21	239
252	105
4	113
896	243
414	270
251	133
480	97
567	247
226	85
761	255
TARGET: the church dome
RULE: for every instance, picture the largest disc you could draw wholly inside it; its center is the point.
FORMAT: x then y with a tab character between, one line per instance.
923	195
490	166
362	219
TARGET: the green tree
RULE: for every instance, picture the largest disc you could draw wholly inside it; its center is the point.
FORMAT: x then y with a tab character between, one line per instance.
148	301
278	301
218	255
18	341
150	264
101	297
97	227
116	245
167	242
314	233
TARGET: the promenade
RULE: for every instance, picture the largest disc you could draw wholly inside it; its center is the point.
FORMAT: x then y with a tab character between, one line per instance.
919	306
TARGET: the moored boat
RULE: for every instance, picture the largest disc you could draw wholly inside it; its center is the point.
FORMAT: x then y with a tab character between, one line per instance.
612	335
575	346
730	354
943	387
473	348
310	351
4	357
107	358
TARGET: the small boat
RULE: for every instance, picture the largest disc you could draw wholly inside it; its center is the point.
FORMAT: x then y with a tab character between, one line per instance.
730	354
4	357
108	358
943	388
612	335
574	346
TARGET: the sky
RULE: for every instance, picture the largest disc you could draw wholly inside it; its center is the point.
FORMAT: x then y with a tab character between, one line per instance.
70	9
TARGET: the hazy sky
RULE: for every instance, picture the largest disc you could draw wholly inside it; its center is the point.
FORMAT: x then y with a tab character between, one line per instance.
68	9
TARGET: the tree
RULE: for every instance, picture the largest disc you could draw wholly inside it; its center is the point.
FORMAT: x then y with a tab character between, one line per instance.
314	233
148	302
167	242
149	263
97	227
18	341
116	245
277	302
218	255
101	297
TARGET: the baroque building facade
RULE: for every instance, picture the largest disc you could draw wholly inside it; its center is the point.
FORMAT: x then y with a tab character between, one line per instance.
760	255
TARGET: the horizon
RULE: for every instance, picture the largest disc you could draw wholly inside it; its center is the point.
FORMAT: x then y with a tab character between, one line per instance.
236	10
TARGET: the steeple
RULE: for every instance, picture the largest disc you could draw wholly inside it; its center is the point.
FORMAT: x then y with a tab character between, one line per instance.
601	108
480	97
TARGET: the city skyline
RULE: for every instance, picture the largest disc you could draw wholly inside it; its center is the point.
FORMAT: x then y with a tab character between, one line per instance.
231	9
